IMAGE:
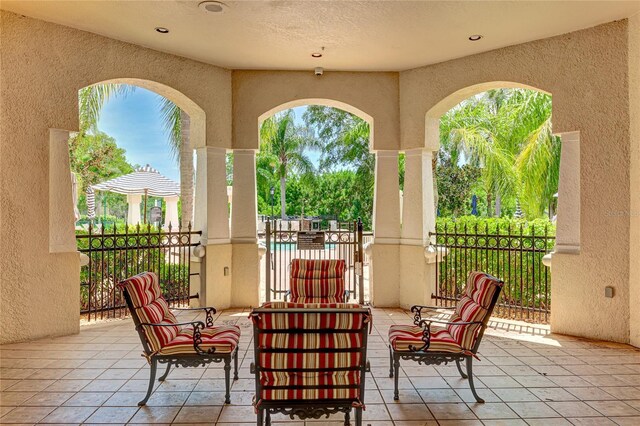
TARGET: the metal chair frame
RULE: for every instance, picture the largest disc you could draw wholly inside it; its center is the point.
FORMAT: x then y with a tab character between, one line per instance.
422	356
200	358
317	408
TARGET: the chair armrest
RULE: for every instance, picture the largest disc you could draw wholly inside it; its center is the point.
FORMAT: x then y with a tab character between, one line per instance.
425	324
210	312
197	333
417	311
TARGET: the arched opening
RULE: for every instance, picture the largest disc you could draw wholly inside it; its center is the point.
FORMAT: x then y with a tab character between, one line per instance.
496	185
315	175
145	216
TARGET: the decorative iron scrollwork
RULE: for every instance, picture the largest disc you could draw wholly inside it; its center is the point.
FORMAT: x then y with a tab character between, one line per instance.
197	339
429	358
426	336
309	411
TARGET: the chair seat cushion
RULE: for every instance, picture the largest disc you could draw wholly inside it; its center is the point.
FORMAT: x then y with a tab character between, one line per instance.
403	336
316	383
223	338
317	300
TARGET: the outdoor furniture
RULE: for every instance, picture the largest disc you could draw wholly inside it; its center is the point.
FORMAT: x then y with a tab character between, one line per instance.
316	281
458	340
310	359
166	341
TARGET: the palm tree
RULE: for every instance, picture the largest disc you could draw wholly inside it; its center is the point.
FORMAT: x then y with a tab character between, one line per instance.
282	144
507	133
91	100
177	125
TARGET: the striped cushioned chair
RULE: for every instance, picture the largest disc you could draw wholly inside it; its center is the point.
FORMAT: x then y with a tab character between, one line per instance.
317	281
455	339
310	359
166	341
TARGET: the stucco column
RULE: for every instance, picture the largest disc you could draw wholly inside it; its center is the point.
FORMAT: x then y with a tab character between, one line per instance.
133	209
244	213
211	216
568	222
384	269
417	281
171	212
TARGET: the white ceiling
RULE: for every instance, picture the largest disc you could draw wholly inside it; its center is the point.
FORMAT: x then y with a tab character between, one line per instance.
357	35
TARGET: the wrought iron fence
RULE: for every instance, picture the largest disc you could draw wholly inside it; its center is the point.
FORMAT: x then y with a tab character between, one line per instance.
511	253
344	242
117	253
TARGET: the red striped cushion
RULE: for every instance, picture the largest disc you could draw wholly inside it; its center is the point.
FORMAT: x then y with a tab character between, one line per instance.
317	287
315	380
151	307
403	336
305	268
316	300
223	338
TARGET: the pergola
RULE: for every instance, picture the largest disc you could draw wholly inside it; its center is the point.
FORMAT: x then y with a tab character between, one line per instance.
144	182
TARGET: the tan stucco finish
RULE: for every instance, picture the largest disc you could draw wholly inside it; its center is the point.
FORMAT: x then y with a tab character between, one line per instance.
43	67
592	75
372	96
586	72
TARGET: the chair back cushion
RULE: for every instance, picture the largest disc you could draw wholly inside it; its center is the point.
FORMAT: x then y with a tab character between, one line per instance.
475	305
333	337
317	279
150	307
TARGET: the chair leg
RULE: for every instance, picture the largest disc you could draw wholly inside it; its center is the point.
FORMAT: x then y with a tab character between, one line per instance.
396	367
152	379
347	418
260	417
469	362
464	376
359	416
268	418
227	379
166	373
390	362
235	365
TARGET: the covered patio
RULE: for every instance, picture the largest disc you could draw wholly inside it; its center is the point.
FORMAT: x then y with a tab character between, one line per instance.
399	66
527	377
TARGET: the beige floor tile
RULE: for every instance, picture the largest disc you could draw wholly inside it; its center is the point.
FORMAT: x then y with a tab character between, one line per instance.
453	411
26	415
514	394
532	409
14	398
202	414
573	409
118	415
69	415
493	410
48	399
82	399
409	412
155	415
614	408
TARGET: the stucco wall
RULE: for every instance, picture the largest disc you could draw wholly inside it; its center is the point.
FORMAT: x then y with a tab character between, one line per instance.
256	93
634	237
43	67
586	72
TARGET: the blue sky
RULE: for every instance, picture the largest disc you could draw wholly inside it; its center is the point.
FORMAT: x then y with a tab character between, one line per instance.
135	123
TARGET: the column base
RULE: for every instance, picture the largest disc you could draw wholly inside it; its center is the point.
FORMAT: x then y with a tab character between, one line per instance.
245	275
218	286
384	275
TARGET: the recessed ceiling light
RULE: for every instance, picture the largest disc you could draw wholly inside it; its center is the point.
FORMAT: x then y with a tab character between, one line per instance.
475	37
316	55
162	30
213	6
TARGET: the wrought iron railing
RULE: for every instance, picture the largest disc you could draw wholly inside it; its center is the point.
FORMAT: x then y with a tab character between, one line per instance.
344	243
512	253
120	252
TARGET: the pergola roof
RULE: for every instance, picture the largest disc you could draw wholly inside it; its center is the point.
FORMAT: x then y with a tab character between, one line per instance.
144	181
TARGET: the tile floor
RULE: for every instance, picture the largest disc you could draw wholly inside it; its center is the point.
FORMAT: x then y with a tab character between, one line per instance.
527	377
